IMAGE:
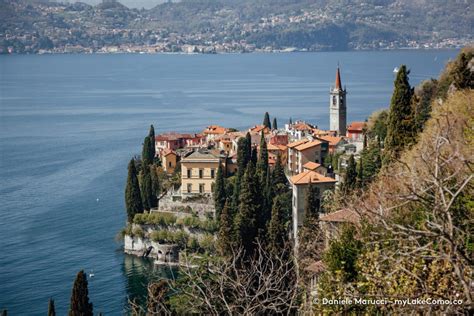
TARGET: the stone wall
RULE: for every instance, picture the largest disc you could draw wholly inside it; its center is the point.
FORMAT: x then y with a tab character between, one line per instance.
163	253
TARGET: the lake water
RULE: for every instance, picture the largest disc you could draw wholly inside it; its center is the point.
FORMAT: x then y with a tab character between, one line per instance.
70	124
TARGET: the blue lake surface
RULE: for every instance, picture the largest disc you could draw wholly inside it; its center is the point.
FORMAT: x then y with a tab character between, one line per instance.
69	124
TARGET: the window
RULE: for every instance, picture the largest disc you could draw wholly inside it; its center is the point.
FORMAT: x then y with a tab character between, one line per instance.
189	173
190	187
213	173
201	172
169	164
333	100
201	188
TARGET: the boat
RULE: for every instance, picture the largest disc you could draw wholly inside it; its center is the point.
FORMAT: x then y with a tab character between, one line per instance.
395	70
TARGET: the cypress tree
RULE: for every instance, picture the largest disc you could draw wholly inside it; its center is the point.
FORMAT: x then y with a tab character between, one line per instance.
266	121
254	156
350	177
147	154
155	185
309	236
219	192
401	121
312	202
148	198
262	164
279	181
4	312
360	174
277	234
133	199
151	135
51	308
275	126
80	305
246	218
248	144
365	141
224	235
243	157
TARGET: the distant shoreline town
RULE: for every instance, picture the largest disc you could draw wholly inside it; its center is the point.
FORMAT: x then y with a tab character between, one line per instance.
214	27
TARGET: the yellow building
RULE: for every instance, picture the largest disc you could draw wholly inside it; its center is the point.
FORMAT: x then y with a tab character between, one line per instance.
198	173
169	161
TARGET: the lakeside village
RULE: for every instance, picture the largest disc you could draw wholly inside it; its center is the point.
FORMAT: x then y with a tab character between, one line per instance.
181	214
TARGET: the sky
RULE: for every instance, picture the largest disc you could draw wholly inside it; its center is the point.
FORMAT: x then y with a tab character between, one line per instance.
129	3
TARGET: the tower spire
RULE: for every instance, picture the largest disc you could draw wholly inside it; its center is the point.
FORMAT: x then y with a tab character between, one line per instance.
338	85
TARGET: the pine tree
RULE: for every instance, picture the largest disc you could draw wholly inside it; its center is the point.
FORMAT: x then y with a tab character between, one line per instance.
277	233
80	305
219	192
224	235
147	154
350	177
275	126
51	308
151	136
149	199
401	121
463	77
266	121
246	218
133	199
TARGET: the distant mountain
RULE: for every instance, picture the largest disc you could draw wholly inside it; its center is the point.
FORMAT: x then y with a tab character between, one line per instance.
235	25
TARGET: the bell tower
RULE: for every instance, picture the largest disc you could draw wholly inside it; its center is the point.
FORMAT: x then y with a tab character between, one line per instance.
337	107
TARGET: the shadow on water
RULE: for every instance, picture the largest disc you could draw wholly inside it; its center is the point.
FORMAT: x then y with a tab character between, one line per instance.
139	272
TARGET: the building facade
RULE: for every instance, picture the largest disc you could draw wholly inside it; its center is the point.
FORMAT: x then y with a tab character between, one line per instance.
198	173
300	184
338	107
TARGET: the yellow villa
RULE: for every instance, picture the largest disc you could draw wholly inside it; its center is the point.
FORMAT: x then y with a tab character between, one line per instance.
198	173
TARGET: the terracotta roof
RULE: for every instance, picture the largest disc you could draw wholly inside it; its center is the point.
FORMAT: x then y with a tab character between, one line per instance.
316	267
310	176
338	84
259	129
333	140
302	126
297	143
214	129
167	152
276	147
344	215
356	126
311	165
174	136
308	145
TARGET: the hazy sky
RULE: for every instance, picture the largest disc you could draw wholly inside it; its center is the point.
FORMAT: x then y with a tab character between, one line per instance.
129	3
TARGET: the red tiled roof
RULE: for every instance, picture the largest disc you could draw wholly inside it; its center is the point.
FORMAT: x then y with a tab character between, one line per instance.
333	140
307	145
311	165
215	129
356	126
343	216
297	143
310	176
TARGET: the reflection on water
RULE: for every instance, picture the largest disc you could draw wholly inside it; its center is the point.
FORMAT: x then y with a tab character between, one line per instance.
139	272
